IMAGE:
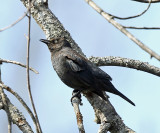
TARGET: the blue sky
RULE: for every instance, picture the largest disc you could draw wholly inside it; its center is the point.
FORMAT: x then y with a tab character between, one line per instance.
96	37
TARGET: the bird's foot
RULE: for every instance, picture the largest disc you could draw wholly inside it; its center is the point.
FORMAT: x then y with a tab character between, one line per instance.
76	94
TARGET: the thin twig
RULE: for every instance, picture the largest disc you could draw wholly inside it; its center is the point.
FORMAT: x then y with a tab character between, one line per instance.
147	1
20	100
142	28
125	62
11	25
18	63
135	16
18	20
38	127
110	19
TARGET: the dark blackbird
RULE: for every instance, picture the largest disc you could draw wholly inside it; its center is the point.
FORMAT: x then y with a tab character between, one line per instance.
77	72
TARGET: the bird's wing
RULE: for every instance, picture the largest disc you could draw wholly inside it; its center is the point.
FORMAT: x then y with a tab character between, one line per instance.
100	74
79	65
75	62
74	65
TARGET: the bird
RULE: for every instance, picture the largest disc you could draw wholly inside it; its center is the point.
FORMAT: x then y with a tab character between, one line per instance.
78	72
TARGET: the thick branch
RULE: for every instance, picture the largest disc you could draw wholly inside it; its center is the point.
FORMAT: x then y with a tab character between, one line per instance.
124	62
106	115
49	22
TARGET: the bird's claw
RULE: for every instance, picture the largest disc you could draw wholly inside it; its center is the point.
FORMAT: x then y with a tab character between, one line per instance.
77	94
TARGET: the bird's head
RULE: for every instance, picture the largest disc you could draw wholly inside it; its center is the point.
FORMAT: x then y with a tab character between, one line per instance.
56	44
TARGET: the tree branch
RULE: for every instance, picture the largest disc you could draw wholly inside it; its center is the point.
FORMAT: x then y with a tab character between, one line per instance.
106	115
76	101
147	1
18	63
142	28
20	100
110	19
38	127
49	23
17	117
17	21
135	15
5	105
11	25
124	62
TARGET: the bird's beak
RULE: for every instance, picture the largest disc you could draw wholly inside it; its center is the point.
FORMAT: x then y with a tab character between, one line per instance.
45	41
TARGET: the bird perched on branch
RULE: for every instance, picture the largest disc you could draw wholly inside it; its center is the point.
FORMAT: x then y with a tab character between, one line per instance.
77	72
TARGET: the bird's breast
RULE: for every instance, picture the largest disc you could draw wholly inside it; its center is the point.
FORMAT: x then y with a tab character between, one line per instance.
64	72
59	65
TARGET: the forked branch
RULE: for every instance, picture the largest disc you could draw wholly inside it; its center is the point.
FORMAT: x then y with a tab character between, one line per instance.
110	19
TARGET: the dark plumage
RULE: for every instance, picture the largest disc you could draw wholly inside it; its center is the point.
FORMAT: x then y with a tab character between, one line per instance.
77	72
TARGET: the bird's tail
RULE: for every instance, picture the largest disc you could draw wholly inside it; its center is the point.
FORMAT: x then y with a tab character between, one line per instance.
112	89
100	93
108	86
124	97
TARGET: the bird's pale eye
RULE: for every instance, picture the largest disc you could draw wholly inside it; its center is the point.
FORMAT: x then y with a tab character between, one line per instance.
55	41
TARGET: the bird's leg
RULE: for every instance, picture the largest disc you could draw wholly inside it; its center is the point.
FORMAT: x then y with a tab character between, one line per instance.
76	93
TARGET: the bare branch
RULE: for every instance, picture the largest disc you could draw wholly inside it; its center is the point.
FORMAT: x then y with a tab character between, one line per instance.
17	117
5	105
76	101
142	28
18	20
110	19
124	62
147	1
135	15
106	115
38	127
18	63
20	100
